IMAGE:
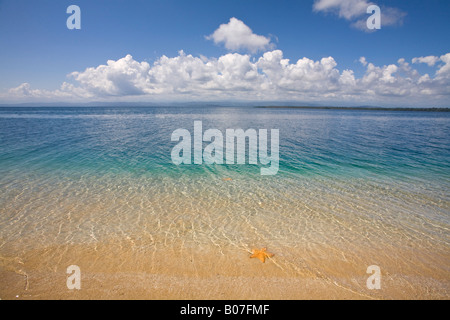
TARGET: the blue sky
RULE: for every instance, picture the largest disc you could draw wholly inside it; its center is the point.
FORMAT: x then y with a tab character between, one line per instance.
38	50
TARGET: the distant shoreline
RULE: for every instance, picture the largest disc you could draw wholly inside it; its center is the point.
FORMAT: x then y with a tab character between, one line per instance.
357	108
362	108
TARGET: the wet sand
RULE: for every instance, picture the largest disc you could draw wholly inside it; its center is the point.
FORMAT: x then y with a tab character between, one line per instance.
126	271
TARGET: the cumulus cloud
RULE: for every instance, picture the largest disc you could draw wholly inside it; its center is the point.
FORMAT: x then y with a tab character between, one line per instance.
363	61
122	77
236	35
355	11
235	76
444	71
429	60
65	92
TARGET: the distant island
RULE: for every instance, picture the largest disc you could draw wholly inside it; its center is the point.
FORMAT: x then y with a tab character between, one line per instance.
357	108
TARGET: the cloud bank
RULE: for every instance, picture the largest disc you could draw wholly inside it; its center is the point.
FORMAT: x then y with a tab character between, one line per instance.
236	76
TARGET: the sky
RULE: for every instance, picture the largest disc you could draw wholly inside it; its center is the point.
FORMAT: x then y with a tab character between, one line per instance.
317	52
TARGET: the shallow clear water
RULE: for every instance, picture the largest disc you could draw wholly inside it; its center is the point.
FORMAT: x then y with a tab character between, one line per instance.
365	185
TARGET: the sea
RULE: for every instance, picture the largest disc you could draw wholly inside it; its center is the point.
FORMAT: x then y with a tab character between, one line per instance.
354	188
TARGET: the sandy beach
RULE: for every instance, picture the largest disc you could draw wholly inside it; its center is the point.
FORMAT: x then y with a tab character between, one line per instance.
121	271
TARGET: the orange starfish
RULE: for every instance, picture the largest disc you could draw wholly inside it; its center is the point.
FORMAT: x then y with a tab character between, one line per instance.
261	254
227	179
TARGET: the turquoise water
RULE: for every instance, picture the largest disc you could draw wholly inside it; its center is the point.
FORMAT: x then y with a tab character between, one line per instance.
326	143
367	185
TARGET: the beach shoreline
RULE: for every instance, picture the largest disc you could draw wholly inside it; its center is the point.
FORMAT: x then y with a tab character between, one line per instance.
113	271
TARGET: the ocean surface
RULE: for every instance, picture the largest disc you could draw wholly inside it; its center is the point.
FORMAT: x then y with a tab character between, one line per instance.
353	187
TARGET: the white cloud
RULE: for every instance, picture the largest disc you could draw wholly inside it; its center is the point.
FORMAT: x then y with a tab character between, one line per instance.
67	91
24	89
355	11
363	61
347	9
429	60
122	77
236	35
444	71
235	76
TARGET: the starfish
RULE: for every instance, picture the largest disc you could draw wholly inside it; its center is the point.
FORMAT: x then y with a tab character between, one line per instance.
261	254
227	179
